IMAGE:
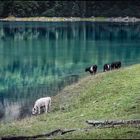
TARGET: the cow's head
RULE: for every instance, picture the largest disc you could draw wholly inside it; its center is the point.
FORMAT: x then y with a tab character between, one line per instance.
87	69
34	110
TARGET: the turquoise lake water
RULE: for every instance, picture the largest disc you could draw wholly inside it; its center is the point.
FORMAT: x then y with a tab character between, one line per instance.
39	59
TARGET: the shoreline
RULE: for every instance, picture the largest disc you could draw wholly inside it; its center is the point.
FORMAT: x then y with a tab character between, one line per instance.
63	19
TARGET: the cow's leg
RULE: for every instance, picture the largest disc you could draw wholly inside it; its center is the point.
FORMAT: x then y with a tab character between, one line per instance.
46	107
38	110
91	72
49	105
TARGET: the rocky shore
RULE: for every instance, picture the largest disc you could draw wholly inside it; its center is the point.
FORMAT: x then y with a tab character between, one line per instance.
57	19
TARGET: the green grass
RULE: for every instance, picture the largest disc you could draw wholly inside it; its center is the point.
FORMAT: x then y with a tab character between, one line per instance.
110	95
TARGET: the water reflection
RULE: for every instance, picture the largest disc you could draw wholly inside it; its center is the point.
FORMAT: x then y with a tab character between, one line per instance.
17	102
39	59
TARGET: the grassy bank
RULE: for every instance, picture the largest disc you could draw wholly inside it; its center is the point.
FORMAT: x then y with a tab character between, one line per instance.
110	95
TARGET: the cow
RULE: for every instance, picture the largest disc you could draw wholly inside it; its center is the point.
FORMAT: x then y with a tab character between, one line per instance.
92	69
106	67
115	65
44	102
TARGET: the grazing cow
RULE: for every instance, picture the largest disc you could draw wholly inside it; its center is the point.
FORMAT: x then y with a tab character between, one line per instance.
106	67
41	103
92	69
115	65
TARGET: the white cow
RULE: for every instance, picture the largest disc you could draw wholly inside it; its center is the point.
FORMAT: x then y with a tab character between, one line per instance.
42	102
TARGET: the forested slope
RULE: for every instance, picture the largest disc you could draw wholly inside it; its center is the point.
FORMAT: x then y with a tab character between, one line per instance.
98	8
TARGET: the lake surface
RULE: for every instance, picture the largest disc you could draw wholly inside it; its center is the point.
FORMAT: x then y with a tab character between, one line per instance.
39	59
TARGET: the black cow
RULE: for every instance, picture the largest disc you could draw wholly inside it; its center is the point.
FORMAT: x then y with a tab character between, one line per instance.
92	69
115	65
106	67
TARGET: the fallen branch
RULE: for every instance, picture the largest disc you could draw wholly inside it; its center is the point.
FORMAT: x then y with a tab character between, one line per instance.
52	133
67	131
112	122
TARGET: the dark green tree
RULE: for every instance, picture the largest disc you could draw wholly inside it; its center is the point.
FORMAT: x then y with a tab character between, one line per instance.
44	6
1	8
7	9
75	9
